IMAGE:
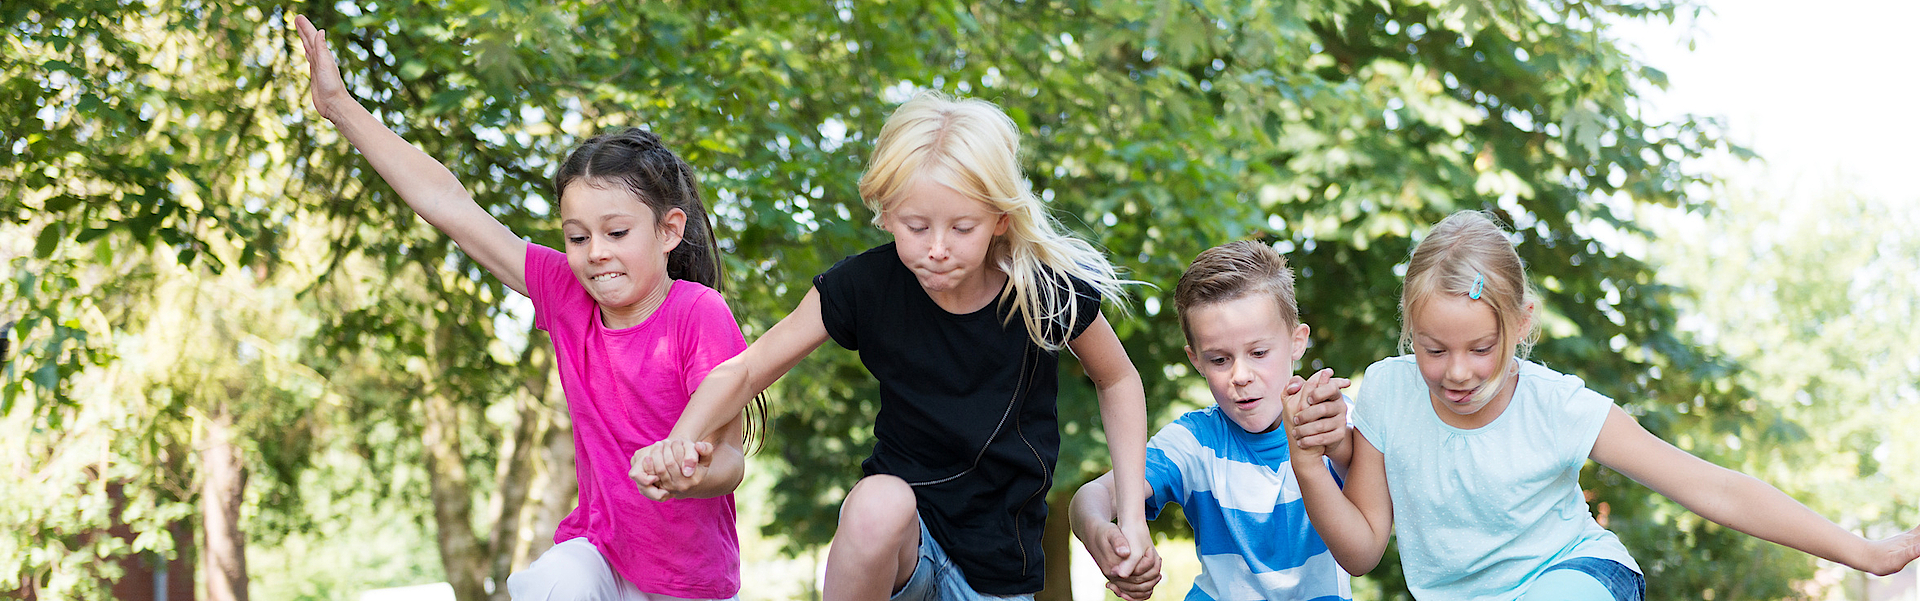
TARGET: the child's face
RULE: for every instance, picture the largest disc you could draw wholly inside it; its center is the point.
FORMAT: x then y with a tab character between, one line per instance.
615	247
942	236
1246	351
1456	343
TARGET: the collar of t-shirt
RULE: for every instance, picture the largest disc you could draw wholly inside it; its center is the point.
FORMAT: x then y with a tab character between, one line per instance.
1270	447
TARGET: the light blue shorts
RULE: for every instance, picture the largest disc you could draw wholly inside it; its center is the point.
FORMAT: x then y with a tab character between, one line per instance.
935	578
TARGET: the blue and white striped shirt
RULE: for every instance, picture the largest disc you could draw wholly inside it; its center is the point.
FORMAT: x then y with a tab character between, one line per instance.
1239	493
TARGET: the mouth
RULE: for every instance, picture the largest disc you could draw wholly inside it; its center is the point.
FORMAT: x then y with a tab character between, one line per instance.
607	276
1458	396
1247	402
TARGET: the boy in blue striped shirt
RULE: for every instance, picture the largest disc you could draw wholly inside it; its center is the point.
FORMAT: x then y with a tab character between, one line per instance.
1228	465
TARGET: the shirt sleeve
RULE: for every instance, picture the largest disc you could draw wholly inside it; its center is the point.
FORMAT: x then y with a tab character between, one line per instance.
550	285
839	301
712	336
1586	412
1086	299
1165	482
1374	405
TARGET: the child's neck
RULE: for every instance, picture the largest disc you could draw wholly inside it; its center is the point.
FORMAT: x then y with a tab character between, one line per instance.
971	295
620	318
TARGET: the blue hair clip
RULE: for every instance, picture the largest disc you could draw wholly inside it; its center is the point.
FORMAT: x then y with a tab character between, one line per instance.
1479	282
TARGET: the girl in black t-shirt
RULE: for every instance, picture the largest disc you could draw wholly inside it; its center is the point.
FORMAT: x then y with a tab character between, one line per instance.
961	320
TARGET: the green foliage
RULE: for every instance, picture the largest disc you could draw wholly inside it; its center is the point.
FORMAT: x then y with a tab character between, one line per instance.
1336	129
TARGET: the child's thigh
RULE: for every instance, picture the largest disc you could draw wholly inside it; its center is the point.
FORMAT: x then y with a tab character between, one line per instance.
1567	585
571	570
1586	579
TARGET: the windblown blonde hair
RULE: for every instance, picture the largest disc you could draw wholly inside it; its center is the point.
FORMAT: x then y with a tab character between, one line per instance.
1464	245
972	147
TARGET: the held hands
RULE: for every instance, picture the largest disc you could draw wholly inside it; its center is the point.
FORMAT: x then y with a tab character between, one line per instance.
328	89
1127	559
1314	414
665	469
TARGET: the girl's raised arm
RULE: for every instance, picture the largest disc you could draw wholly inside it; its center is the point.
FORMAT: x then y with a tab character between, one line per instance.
1740	501
426	185
1123	414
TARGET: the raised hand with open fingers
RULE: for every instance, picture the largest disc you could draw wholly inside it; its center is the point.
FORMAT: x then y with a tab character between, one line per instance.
328	88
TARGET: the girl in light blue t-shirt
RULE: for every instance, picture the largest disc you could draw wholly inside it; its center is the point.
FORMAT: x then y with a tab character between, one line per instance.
1477	454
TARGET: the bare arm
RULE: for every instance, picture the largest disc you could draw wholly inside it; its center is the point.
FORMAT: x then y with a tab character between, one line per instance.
732	384
1356	522
1741	502
426	185
1123	415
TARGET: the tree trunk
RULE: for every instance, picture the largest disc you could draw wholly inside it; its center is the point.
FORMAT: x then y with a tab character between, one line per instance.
1057	544
559	486
222	489
460	551
515	474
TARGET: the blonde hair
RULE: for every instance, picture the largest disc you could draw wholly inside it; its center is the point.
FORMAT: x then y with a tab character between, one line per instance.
1467	255
972	147
1231	271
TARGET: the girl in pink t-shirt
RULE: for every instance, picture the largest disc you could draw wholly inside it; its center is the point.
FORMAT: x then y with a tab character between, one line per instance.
636	321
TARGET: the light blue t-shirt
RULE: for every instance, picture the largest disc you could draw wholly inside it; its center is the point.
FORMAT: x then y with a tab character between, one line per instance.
1250	527
1481	513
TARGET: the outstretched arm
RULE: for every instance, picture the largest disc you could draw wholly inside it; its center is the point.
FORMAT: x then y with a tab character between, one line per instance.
1742	502
1123	414
734	382
426	185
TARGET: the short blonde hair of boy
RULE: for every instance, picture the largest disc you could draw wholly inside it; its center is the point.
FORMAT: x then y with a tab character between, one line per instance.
972	147
1466	246
1231	271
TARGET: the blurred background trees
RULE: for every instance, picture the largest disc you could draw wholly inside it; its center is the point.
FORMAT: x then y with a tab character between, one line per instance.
233	341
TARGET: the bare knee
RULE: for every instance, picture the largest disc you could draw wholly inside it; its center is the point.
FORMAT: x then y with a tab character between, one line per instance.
878	515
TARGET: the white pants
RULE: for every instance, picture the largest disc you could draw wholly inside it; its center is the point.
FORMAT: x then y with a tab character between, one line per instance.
575	571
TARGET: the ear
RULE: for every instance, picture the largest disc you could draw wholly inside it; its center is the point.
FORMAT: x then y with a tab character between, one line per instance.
1192	358
673	229
1300	340
1000	225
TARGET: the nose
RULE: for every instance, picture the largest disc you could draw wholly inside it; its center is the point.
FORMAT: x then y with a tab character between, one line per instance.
598	249
1458	372
1242	374
937	248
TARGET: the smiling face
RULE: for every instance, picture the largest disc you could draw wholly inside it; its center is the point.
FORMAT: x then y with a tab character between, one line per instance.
1456	343
617	249
1246	351
943	237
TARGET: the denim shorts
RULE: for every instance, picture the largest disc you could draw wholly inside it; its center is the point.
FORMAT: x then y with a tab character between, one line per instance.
1624	583
935	578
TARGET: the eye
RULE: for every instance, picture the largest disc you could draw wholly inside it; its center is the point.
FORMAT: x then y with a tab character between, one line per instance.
1259	353
964	230
576	239
916	228
1217	360
1483	350
1435	352
617	234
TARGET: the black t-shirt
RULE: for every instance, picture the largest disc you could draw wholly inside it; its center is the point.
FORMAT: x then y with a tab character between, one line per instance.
967	412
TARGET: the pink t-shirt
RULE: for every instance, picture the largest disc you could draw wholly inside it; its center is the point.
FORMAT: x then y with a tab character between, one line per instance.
625	389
